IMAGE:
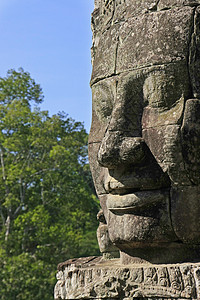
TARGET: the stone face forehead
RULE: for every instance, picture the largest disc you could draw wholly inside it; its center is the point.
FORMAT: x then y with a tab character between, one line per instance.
118	10
107	5
154	38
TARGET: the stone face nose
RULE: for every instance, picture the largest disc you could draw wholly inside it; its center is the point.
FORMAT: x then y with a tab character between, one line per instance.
117	149
122	142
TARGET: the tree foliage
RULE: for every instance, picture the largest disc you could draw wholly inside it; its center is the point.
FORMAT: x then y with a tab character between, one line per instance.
47	203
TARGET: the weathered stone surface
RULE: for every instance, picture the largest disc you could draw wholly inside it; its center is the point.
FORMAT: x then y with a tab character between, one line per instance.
106	52
104	96
100	279
157	38
185	211
145	221
105	245
114	11
98	174
145	126
190	136
166	4
194	55
126	180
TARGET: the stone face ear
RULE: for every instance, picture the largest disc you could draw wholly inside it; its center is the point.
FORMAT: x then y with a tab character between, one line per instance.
185	199
185	212
190	135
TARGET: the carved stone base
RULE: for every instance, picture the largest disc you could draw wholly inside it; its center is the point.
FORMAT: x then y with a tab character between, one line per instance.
97	278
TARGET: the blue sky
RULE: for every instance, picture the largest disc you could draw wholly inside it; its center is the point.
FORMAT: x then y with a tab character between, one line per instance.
51	39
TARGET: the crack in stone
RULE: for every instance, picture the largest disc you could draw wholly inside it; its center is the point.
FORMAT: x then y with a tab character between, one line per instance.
192	52
97	80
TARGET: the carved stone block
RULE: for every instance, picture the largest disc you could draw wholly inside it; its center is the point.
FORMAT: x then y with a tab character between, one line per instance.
95	278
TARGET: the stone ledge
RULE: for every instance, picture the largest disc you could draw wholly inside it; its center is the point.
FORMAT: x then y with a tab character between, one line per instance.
96	278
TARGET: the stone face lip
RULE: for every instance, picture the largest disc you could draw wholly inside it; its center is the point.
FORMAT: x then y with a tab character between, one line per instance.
126	181
133	202
112	280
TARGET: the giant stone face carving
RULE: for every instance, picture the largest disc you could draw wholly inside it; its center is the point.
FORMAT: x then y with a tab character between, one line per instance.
144	144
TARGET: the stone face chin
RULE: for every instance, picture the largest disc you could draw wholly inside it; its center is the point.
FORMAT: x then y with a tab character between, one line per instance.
139	219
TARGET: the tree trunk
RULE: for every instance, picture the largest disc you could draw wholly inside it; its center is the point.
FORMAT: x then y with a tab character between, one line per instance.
7	225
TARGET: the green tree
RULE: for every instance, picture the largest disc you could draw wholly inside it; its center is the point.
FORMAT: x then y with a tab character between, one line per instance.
47	204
